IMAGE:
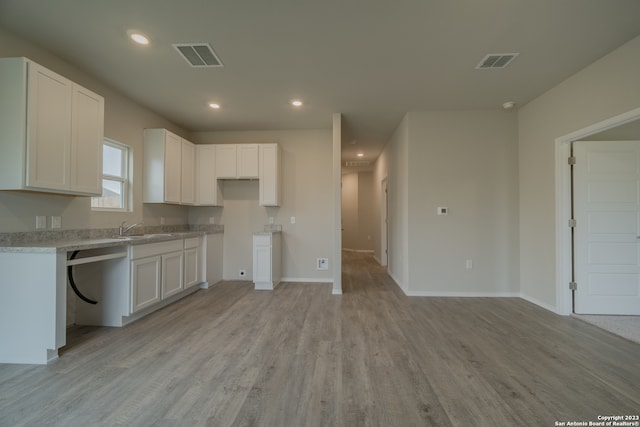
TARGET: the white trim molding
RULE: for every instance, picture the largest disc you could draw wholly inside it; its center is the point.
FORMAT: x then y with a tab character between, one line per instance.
455	294
307	280
563	207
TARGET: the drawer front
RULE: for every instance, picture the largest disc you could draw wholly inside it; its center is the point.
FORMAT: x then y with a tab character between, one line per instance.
152	249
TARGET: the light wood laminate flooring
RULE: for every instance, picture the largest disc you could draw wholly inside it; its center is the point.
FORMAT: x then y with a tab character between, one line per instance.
299	356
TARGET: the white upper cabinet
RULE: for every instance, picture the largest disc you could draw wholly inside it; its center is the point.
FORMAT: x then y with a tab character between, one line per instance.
226	161
269	177
162	167
87	125
188	185
169	168
208	188
51	131
237	161
247	161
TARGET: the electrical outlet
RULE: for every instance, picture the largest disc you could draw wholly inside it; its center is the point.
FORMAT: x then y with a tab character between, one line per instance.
41	222
469	264
212	220
162	221
242	273
322	263
56	222
270	220
293	220
443	210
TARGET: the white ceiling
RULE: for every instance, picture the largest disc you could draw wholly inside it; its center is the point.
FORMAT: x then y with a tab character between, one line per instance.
372	60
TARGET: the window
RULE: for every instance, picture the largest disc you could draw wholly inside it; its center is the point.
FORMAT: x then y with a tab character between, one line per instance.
115	173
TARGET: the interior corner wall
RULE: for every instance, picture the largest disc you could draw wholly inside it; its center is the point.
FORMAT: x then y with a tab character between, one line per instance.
124	121
605	89
465	161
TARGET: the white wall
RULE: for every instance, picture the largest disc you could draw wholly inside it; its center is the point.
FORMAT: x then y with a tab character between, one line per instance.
349	210
358	223
124	121
466	161
307	194
604	89
393	163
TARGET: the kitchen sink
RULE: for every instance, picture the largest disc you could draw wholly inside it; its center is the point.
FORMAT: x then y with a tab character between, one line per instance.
144	236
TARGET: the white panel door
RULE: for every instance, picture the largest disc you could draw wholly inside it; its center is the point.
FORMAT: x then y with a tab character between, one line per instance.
607	234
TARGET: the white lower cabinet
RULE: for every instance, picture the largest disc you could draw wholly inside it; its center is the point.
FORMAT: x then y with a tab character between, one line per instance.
156	272
145	282
267	260
172	266
192	261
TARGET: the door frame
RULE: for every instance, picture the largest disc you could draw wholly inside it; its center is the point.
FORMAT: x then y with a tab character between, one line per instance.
563	204
384	222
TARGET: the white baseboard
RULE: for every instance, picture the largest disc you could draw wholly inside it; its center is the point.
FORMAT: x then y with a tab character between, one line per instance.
397	282
539	303
361	251
456	294
335	291
307	280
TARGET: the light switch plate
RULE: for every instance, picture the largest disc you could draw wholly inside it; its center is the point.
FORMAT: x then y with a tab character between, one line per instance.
443	210
293	220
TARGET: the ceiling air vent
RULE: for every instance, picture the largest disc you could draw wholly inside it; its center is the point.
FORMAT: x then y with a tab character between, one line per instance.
199	54
357	163
496	60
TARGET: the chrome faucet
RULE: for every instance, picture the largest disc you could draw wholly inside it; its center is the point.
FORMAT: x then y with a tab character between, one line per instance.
122	230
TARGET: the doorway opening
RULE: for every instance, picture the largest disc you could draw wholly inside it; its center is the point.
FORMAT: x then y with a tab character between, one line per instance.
564	250
384	222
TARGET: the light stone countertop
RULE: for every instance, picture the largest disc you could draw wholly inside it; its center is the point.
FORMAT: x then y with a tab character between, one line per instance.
68	245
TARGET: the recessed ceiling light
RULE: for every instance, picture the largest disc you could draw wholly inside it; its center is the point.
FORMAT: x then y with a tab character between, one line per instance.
214	105
139	38
360	154
296	103
508	105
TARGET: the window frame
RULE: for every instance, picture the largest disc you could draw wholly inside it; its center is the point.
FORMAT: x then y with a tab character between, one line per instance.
124	180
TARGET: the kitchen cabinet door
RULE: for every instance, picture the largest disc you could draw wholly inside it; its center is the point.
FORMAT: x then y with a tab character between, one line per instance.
269	176
193	250
208	188
191	267
87	134
187	169
247	159
49	130
267	260
172	265
162	181
145	282
226	166
172	168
